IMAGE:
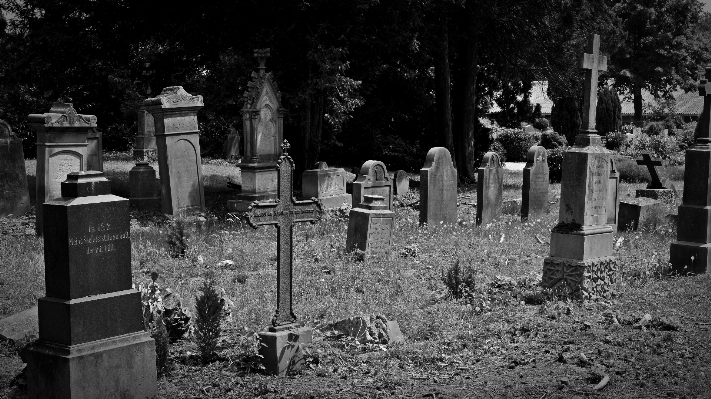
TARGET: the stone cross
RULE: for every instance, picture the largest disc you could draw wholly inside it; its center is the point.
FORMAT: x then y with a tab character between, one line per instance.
592	62
284	213
705	91
261	54
647	160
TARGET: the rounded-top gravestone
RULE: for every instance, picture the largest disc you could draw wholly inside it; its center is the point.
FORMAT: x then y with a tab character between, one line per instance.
535	183
373	179
489	189
438	188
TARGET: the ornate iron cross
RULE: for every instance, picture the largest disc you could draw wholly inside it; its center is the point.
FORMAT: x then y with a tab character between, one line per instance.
704	138
284	213
647	160
592	62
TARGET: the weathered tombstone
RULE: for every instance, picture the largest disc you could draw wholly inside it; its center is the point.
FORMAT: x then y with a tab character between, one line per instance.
581	264
613	200
144	187
438	188
95	150
370	228
281	344
691	253
230	150
61	149
328	185
373	179
654	189
635	212
178	142
14	197
263	128
402	183
91	338
144	144
489	189
535	183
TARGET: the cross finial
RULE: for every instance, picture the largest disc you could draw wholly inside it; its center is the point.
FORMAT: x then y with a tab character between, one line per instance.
285	146
261	55
592	62
705	91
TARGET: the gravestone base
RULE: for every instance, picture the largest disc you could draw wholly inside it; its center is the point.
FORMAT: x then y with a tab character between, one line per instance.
581	245
370	228
690	257
661	194
259	183
120	367
281	350
580	279
636	212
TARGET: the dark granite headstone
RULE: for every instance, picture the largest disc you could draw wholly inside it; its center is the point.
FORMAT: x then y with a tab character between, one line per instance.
489	189
14	197
535	183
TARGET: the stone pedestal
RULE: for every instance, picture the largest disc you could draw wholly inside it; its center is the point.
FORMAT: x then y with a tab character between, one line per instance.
636	212
178	143
61	149
328	185
91	339
14	197
281	350
144	144
145	188
259	183
373	179
95	150
370	228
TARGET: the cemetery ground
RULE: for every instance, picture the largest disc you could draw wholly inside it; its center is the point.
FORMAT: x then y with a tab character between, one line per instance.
494	335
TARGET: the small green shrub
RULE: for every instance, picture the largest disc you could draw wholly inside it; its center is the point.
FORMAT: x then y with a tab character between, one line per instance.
655	146
615	140
685	138
516	142
654	128
154	322
550	139
459	280
160	334
541	123
630	172
555	163
208	316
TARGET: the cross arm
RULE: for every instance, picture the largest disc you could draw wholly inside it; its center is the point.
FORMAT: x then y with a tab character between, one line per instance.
262	213
587	61
307	210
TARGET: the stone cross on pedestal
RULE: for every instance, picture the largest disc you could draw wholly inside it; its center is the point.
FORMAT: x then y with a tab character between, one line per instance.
261	54
592	62
704	138
284	213
647	161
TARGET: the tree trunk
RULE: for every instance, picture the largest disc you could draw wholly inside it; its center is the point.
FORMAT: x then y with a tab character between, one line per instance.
465	123
311	130
443	93
637	99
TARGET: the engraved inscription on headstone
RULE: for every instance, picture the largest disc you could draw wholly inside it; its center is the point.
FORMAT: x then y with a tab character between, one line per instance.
380	236
597	188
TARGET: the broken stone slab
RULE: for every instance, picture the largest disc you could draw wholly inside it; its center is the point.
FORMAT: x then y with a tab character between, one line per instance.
20	326
374	329
636	212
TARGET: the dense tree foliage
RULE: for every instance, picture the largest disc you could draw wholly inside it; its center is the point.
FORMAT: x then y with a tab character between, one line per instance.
608	117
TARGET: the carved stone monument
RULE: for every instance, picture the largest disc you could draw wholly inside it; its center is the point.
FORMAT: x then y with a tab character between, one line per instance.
489	189
178	141
61	149
373	179
280	350
691	253
438	188
370	228
534	199
91	338
14	197
328	185
144	144
581	264
263	128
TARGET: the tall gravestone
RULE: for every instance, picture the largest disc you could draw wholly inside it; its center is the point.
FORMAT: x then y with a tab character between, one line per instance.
178	142
581	264
328	185
489	189
281	343
144	143
534	199
95	150
91	338
263	127
438	188
14	197
61	149
613	199
370	228
373	179
691	252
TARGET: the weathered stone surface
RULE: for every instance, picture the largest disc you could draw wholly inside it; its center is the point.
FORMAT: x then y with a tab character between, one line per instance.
489	189
635	212
61	149
95	150
535	183
373	179
144	144
20	326
402	183
613	200
178	142
145	187
373	329
438	188
14	197
328	185
281	350
370	228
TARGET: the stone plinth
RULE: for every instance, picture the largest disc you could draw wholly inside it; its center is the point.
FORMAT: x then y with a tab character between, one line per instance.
438	188
661	194
634	213
489	189
145	188
14	197
61	149
95	150
281	350
178	142
91	339
144	143
328	185
370	228
373	179
535	183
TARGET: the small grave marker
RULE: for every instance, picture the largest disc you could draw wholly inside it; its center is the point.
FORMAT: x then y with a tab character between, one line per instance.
535	183
489	189
438	188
